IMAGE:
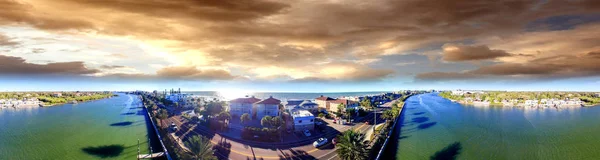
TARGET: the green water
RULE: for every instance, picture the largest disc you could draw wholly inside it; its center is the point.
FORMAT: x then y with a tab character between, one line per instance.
433	126
102	129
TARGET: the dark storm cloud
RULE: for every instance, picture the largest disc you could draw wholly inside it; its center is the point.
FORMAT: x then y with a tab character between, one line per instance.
17	65
470	53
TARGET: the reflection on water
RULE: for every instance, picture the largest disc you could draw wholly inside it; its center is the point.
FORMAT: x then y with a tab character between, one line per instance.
433	127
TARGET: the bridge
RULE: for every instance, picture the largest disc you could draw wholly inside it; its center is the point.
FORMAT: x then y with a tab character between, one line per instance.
151	156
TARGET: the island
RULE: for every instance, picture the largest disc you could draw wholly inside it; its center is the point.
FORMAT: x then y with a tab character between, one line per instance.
526	99
45	99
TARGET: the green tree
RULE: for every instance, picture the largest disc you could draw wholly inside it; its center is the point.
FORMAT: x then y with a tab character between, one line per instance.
201	148
266	121
276	122
245	118
162	114
388	114
366	103
321	115
224	116
352	146
197	110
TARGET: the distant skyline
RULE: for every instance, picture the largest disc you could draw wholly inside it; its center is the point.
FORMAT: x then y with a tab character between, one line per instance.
299	46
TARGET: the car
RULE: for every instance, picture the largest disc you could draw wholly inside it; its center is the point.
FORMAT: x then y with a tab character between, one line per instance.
307	133
334	121
334	141
320	142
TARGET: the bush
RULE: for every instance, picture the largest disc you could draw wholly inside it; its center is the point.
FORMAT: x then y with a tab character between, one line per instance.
362	112
264	134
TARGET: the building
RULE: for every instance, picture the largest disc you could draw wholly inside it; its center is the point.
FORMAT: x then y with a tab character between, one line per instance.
56	94
303	120
597	94
177	97
324	102
458	92
348	104
293	103
309	105
239	106
266	107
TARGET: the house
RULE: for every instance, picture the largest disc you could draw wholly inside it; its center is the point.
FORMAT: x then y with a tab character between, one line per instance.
177	97
56	94
239	106
324	102
309	105
266	107
293	103
303	120
597	95
458	92
348	104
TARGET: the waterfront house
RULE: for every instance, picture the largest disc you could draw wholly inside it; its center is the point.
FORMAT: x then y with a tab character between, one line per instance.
56	94
303	120
266	107
239	106
324	102
597	95
309	105
177	97
348	104
293	103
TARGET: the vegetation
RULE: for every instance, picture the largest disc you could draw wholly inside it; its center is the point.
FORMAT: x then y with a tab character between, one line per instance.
352	146
499	96
266	121
201	148
366	103
321	115
162	114
50	99
265	134
245	118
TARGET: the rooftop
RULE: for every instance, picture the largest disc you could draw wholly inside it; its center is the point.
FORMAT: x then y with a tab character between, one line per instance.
269	100
323	98
245	100
301	113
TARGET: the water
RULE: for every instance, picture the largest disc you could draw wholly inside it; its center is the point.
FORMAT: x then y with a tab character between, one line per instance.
108	128
434	126
283	96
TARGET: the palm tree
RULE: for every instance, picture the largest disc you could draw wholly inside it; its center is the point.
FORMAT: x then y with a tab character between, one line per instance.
276	122
245	118
352	146
200	147
266	121
162	114
388	114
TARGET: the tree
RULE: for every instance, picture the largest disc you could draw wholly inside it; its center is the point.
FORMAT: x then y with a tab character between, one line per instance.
321	115
352	146
276	122
162	114
201	148
245	118
197	110
366	103
224	116
388	114
266	121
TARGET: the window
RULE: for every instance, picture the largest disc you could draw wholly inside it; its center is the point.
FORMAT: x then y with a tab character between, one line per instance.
300	121
311	120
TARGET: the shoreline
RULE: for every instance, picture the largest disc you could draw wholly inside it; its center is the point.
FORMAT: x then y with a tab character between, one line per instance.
522	105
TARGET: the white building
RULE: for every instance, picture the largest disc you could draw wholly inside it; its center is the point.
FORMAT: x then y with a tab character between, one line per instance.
303	120
458	92
293	103
177	97
266	107
309	105
239	106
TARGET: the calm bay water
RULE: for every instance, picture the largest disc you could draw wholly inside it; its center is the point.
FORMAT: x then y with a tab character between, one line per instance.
434	126
108	128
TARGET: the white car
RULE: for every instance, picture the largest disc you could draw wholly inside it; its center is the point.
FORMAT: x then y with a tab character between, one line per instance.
307	133
320	142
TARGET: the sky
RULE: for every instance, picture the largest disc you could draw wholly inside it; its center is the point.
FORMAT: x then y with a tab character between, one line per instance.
299	46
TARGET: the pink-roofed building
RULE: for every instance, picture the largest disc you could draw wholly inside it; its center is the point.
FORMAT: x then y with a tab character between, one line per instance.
266	107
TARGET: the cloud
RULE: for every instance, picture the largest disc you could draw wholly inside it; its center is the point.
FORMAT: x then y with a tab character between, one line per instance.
18	66
176	73
6	41
111	66
457	52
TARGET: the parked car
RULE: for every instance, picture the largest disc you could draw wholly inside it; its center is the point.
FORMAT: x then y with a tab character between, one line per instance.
173	126
334	141
320	142
307	133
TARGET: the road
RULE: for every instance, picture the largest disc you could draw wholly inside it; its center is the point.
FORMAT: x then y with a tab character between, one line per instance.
232	149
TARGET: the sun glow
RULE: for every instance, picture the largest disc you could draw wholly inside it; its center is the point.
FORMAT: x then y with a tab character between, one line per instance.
229	94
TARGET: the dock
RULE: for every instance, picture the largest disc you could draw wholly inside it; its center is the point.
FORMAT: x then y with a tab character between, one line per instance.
151	156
